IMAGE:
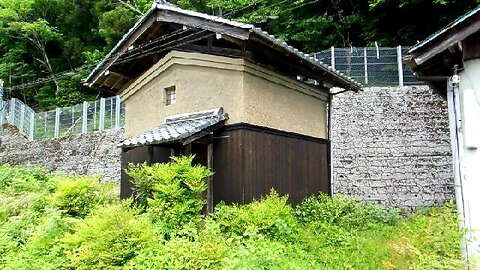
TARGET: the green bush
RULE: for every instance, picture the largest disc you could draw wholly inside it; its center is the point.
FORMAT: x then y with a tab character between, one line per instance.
107	238
79	195
344	211
172	192
42	245
205	251
14	179
271	216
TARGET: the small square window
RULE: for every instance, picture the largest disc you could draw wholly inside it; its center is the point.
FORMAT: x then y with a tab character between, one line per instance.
170	96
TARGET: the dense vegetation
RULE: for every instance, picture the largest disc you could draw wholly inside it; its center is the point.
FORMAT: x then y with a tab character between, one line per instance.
50	221
42	38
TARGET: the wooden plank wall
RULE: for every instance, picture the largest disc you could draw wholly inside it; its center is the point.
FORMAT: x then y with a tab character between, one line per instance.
249	161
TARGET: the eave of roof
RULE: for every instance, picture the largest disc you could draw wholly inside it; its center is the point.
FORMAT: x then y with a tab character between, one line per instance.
343	80
183	128
442	31
433	58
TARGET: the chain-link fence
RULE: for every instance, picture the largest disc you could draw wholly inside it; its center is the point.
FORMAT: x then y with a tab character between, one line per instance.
83	118
371	66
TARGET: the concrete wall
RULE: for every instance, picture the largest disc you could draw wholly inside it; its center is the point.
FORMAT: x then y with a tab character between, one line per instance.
94	154
392	145
247	92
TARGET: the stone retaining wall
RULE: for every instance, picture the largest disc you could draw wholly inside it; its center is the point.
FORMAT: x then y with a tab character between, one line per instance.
392	145
94	154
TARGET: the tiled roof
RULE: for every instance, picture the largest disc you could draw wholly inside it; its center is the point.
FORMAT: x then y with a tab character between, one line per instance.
178	128
267	36
163	5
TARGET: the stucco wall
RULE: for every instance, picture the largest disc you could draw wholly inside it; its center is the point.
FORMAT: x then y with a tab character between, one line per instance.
94	154
248	93
392	145
199	84
275	102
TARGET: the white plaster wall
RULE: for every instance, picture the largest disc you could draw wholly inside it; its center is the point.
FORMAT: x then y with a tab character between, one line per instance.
470	159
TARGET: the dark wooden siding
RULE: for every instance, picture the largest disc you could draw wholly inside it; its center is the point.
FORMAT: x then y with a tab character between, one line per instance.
249	161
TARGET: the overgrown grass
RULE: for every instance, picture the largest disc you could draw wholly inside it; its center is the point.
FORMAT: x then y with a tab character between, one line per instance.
50	221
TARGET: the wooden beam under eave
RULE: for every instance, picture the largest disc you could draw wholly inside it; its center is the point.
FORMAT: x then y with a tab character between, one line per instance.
117	53
301	66
201	23
116	74
215	51
441	43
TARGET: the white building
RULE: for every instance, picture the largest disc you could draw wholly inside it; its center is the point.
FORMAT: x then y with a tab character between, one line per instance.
449	61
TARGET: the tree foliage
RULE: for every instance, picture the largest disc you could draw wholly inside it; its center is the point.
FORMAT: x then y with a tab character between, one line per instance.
41	38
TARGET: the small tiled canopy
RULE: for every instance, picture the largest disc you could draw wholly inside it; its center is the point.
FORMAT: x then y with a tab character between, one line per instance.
183	128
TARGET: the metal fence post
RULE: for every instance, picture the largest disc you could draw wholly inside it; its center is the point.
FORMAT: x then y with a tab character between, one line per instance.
117	111
32	125
332	56
365	64
57	123
3	107
400	65
22	117
101	120
84	118
45	116
11	119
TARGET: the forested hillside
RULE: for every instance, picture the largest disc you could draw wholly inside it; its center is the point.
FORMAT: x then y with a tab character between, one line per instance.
55	43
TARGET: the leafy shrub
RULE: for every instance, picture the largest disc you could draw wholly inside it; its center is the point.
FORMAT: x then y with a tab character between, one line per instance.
42	245
20	215
271	216
344	211
15	179
173	192
264	253
109	237
205	251
78	196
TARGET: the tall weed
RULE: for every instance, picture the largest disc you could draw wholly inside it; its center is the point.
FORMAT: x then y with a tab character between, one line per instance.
428	240
14	179
109	237
344	211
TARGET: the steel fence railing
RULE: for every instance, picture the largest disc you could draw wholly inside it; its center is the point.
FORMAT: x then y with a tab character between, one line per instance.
105	113
371	66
